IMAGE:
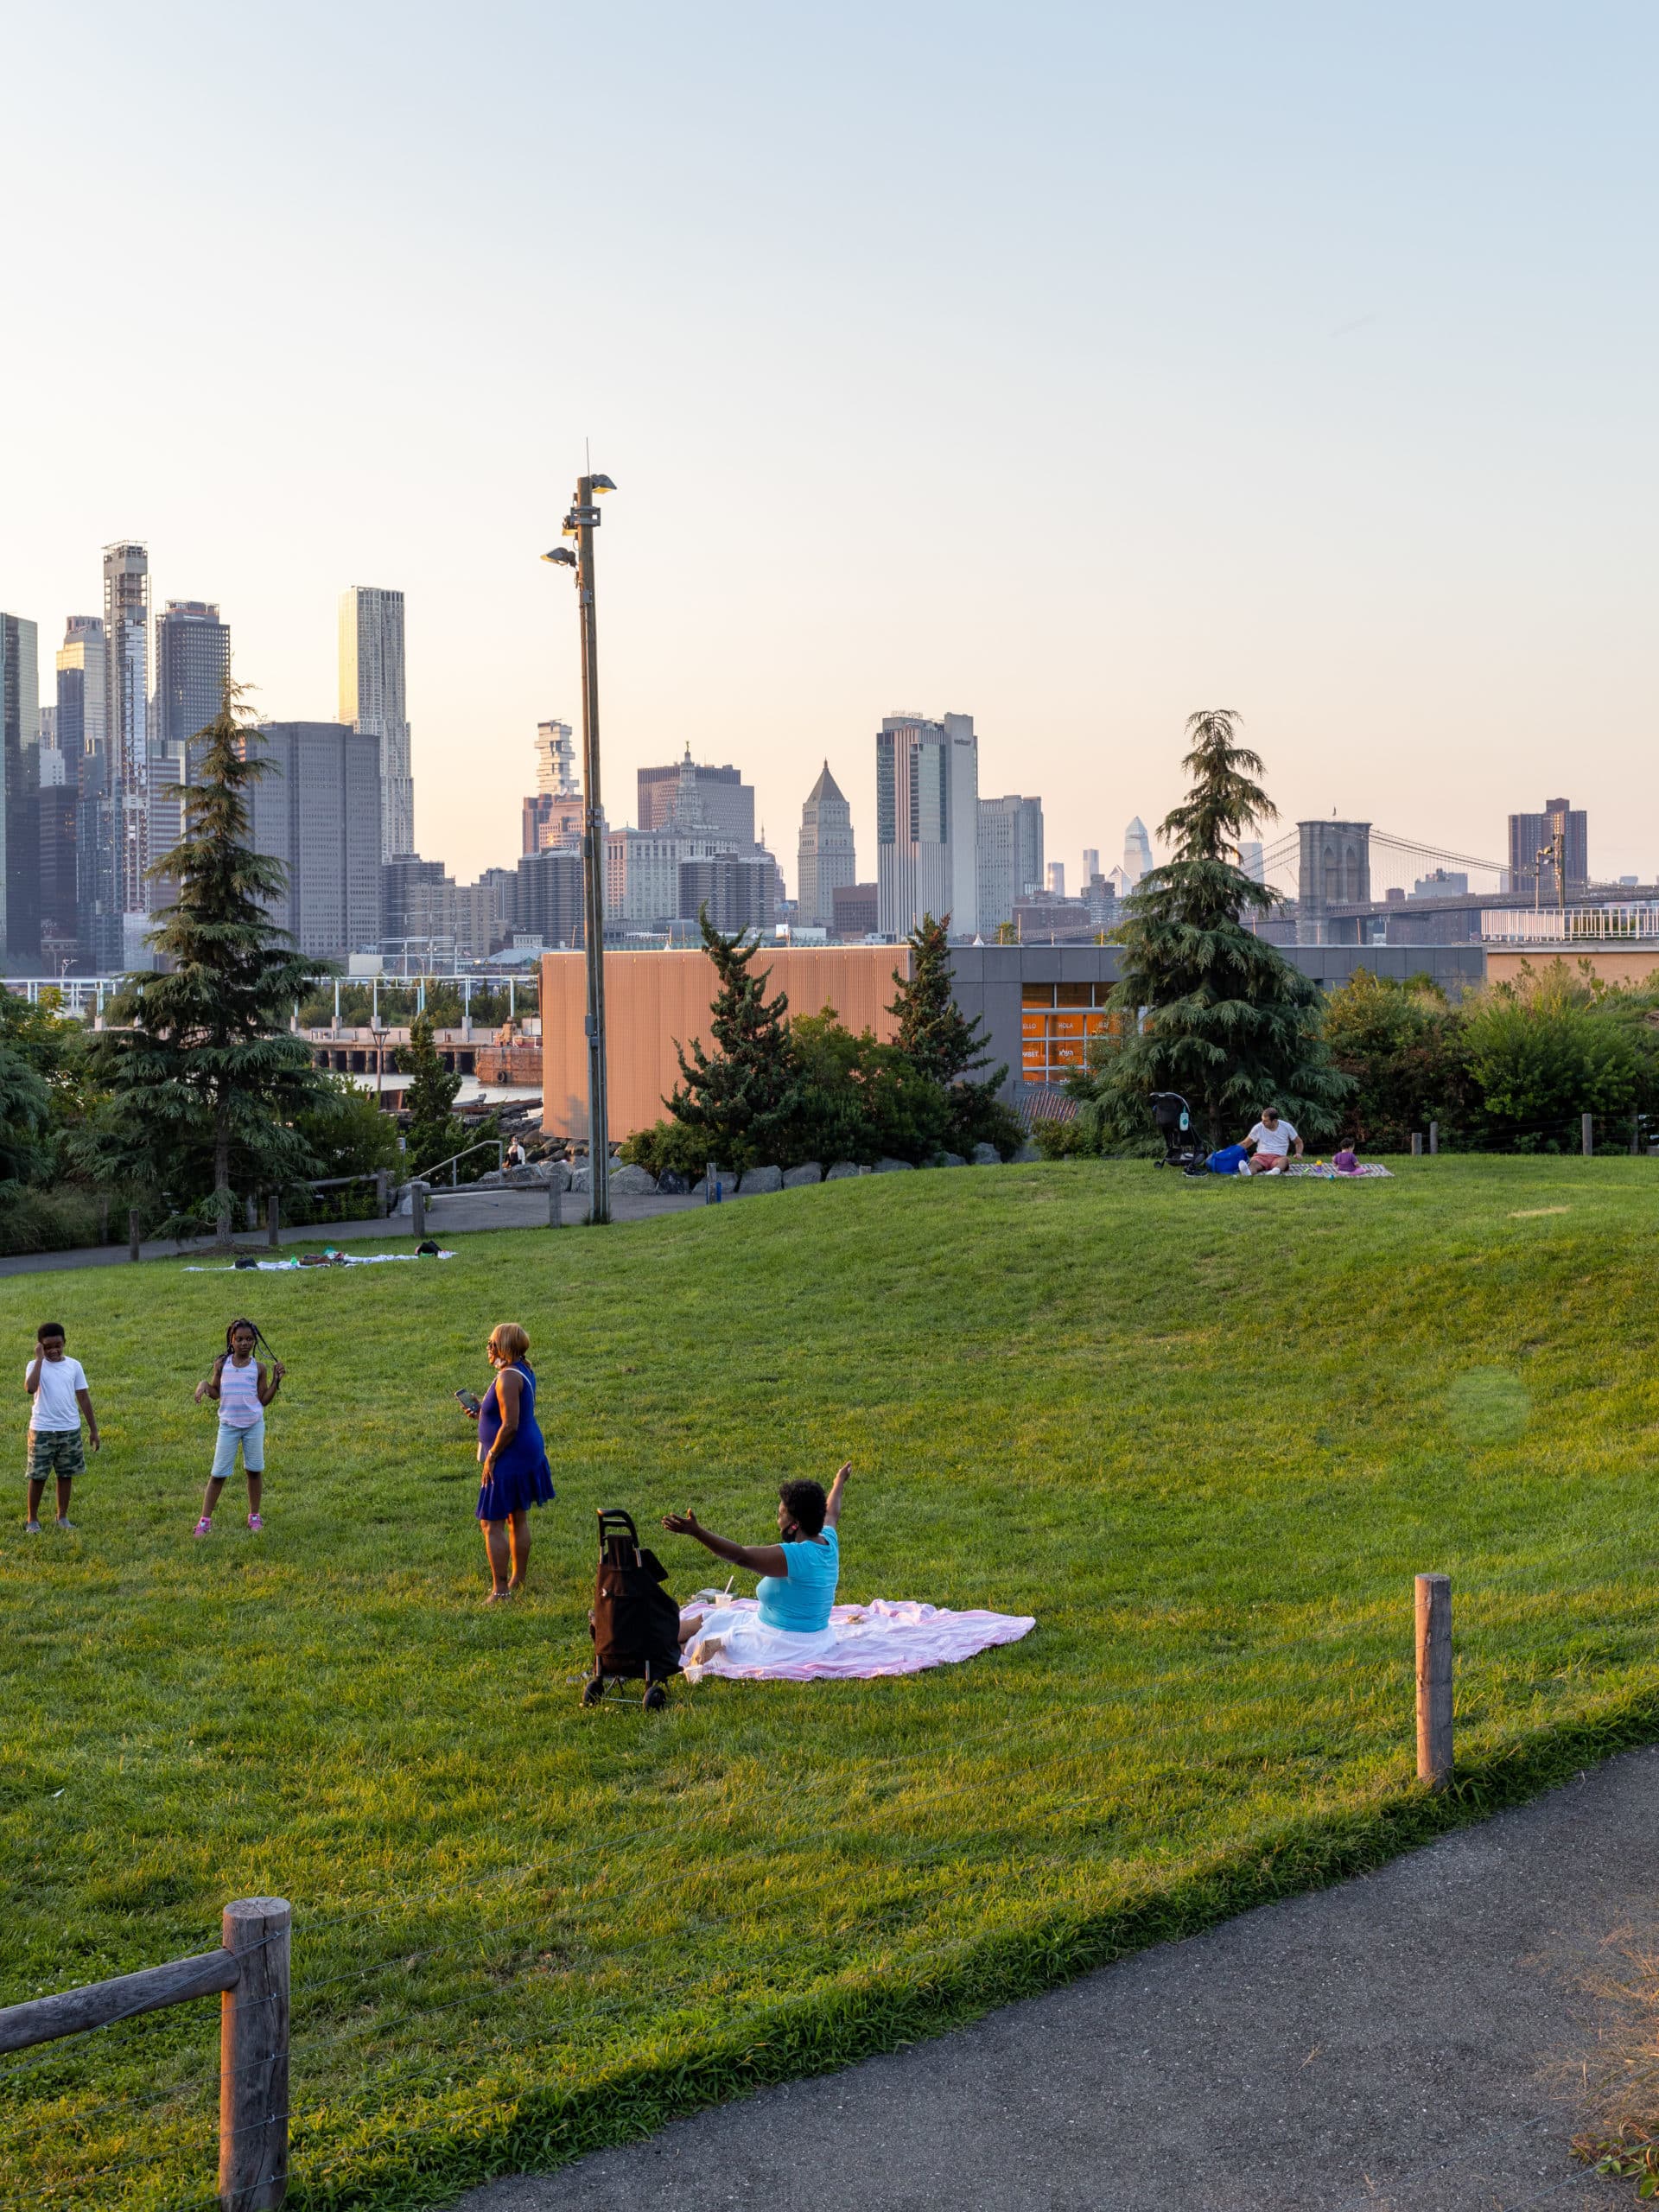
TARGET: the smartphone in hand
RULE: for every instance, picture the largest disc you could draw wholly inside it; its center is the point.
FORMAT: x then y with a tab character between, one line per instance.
473	1405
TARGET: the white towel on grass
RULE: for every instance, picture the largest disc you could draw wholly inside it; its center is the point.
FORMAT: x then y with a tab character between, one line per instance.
886	1636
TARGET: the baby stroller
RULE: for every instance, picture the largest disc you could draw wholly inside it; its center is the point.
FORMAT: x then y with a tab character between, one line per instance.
1173	1118
635	1624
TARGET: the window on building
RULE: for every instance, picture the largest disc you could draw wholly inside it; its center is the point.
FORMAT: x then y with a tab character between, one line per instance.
1057	1022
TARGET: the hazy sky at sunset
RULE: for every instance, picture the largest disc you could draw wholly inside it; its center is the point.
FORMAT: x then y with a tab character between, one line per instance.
1070	366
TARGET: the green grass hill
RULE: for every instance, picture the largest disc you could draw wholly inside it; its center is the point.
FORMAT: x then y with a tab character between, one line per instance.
1206	1432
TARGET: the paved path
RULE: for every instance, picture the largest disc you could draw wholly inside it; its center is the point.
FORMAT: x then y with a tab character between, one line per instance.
445	1218
1414	2041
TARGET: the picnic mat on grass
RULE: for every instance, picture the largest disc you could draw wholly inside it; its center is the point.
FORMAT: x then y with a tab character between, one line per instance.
1329	1175
886	1636
339	1260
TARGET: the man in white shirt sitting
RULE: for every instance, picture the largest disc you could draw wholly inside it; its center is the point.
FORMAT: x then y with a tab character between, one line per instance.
1270	1142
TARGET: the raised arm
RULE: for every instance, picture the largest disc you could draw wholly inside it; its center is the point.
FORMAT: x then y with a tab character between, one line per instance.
32	1380
754	1559
210	1387
270	1382
832	1503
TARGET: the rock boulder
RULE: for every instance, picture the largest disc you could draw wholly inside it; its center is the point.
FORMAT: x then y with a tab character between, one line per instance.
840	1171
797	1179
987	1155
893	1167
757	1180
634	1181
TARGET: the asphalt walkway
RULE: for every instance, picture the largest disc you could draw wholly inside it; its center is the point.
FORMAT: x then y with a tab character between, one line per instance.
1423	2039
446	1216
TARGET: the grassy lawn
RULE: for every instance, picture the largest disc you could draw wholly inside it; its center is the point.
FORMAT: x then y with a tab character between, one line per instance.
1205	1432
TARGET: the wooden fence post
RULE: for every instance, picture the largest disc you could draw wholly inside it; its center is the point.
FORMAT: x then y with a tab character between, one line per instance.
1433	1137
1434	1680
253	2057
554	1202
132	1232
382	1191
273	1221
417	1211
1587	1126
1416	1144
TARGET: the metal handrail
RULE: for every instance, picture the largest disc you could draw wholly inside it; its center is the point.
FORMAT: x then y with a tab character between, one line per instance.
483	1145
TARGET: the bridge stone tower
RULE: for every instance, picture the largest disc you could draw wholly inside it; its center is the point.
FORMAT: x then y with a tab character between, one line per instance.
1336	871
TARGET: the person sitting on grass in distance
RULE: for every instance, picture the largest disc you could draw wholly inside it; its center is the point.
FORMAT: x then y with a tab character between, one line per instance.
514	1475
1271	1141
57	1387
797	1574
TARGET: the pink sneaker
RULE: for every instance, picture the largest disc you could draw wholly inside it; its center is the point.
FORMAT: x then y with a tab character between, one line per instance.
255	1523
203	1527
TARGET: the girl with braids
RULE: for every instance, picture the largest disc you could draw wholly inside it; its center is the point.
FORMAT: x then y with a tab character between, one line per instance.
243	1387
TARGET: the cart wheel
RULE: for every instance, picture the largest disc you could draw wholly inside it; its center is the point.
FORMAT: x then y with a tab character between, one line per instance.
656	1697
592	1692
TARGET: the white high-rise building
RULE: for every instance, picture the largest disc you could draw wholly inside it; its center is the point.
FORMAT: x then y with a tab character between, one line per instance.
556	759
1057	878
1137	851
1090	862
826	859
927	823
126	640
371	700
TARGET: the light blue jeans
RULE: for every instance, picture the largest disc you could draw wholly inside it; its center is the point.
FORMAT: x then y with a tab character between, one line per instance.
252	1441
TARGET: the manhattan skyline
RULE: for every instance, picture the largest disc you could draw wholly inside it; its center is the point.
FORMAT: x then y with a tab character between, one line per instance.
1294	365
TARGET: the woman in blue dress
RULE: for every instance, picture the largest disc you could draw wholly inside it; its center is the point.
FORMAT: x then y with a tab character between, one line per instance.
516	1475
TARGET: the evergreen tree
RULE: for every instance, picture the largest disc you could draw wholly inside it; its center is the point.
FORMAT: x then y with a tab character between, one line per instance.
1206	1007
947	1047
746	1098
933	1028
203	1080
433	1130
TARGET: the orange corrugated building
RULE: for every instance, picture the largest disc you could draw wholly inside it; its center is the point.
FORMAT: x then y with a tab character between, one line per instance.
653	1000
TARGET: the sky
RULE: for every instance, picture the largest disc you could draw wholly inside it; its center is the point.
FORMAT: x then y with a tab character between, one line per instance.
1072	367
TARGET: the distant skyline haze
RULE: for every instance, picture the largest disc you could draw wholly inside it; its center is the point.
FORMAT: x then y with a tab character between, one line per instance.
1069	372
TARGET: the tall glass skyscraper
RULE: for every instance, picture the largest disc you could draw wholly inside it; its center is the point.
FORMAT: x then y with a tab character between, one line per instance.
126	631
371	700
19	730
83	740
927	823
193	664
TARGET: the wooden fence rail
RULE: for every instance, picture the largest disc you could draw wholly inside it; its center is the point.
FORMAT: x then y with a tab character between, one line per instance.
250	1974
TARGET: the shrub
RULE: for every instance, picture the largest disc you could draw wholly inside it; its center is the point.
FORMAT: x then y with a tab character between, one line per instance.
47	1221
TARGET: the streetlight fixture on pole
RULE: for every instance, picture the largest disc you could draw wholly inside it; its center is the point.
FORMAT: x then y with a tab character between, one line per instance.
581	524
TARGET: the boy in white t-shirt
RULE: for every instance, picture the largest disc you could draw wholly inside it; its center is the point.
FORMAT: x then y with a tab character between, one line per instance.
1270	1143
58	1386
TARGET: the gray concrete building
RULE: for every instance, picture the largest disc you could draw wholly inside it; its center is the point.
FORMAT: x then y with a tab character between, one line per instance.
126	643
697	800
317	810
1010	856
193	665
548	903
737	888
826	859
371	701
927	823
1534	843
19	736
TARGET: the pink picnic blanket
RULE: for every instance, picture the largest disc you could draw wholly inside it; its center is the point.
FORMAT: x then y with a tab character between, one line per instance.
883	1637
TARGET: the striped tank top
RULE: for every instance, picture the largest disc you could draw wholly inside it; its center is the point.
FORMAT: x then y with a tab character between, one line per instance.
239	1395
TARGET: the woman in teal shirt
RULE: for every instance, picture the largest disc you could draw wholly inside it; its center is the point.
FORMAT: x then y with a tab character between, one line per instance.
797	1574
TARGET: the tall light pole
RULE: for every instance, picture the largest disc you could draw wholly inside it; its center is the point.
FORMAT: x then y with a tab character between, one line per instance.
581	524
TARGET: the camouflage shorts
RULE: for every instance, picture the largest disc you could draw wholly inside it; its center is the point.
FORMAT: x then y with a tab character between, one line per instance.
55	1451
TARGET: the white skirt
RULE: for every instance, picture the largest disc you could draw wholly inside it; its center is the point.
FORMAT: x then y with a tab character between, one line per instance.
747	1644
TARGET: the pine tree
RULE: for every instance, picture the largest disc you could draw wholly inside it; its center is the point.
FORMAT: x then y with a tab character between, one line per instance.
933	1028
949	1048
1206	1007
747	1097
433	1130
203	1080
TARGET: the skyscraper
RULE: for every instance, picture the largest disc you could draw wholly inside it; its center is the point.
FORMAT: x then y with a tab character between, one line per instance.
826	861
699	800
83	740
1010	855
556	759
371	700
1532	836
20	729
1090	862
193	665
1137	851
316	809
927	823
1057	878
126	637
